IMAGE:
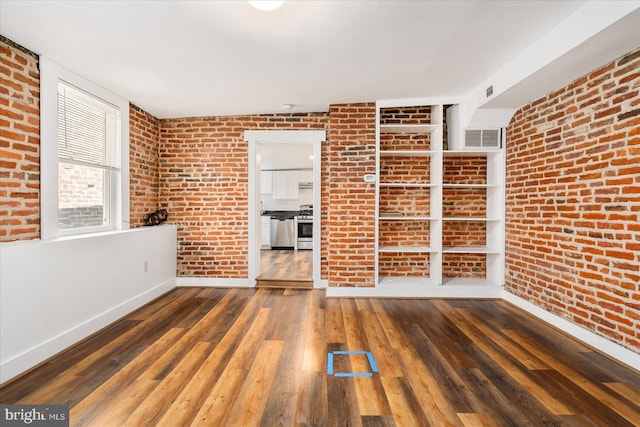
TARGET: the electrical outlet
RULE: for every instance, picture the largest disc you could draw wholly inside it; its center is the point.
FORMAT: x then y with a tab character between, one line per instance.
146	266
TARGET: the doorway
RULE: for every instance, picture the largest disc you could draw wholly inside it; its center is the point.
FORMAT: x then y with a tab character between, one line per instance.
275	262
286	208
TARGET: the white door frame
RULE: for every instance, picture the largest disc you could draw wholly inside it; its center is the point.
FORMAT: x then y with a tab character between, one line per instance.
255	137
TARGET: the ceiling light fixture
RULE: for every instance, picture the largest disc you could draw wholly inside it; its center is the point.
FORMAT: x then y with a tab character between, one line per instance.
266	5
287	106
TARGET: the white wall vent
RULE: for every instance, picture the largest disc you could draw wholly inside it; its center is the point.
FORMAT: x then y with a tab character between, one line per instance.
483	138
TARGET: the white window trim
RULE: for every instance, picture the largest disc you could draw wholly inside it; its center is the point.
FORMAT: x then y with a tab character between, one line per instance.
50	74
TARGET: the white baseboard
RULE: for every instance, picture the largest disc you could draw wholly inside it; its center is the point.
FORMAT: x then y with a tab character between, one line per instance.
212	282
35	355
611	349
435	291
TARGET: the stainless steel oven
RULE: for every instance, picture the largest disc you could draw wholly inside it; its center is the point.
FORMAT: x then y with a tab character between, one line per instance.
305	228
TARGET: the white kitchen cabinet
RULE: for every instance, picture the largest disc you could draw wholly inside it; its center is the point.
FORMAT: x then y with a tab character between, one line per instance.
266	232
305	175
285	185
266	182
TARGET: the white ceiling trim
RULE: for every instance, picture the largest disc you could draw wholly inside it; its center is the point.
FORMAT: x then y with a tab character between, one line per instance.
562	55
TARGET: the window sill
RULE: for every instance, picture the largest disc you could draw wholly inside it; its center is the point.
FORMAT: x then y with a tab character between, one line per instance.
86	236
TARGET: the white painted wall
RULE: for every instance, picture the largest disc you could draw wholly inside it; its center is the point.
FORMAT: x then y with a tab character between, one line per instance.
558	57
55	293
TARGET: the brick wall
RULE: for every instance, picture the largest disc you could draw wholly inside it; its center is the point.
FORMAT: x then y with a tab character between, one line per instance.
573	202
464	202
325	177
204	184
20	149
144	177
351	233
19	143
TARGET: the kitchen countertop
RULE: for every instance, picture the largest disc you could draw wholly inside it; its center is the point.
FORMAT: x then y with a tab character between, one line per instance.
280	213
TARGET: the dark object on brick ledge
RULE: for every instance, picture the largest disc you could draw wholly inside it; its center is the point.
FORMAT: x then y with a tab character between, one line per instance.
156	218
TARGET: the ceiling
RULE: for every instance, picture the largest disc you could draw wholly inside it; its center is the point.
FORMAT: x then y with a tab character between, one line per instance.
202	58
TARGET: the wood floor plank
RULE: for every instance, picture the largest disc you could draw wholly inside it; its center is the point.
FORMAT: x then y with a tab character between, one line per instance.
477	420
187	404
342	404
160	305
219	402
512	347
625	391
249	405
283	398
315	348
577	397
378	341
153	407
436	408
439	327
369	390
356	338
455	389
203	306
335	323
286	265
116	388
150	329
600	392
61	390
503	401
377	421
116	414
312	407
511	367
602	368
288	318
56	375
219	357
201	331
403	403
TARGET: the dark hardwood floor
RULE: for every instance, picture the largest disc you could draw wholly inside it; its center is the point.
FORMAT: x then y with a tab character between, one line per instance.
243	357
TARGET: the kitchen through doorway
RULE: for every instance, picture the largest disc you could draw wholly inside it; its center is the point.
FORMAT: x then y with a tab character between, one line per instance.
286	215
284	170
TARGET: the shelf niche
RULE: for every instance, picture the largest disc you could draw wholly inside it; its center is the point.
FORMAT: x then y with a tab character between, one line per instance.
439	212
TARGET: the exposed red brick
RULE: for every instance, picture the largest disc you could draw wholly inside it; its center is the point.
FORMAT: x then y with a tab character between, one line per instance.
144	177
19	135
203	175
351	201
589	207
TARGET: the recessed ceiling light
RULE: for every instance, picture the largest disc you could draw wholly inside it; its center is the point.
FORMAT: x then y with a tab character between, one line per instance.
266	4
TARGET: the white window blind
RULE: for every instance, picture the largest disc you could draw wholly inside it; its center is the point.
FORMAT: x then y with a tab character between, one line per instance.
86	129
87	166
84	155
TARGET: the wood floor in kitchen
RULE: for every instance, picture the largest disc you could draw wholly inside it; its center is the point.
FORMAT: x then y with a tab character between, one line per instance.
244	357
286	269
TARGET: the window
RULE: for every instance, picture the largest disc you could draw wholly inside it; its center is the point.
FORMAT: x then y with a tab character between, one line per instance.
84	156
87	164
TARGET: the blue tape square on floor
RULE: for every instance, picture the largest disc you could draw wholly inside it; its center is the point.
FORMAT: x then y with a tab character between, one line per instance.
372	364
